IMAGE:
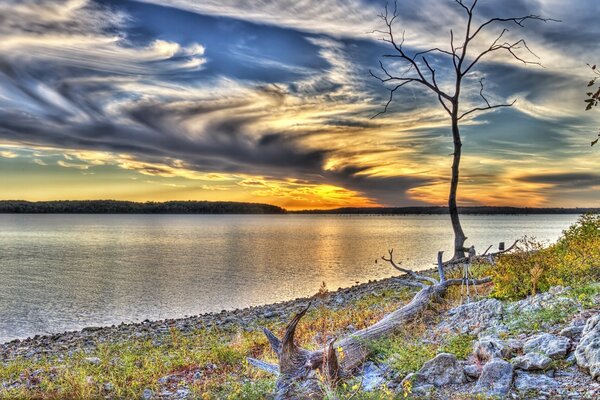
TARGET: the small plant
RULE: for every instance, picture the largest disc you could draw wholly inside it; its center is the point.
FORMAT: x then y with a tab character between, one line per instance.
460	345
404	356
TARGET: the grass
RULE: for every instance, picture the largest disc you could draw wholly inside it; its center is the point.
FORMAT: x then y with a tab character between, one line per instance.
219	355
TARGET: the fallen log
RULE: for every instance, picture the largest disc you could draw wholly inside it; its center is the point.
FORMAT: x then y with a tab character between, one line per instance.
303	374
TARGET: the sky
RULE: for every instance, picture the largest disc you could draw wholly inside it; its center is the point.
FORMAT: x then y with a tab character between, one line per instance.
272	101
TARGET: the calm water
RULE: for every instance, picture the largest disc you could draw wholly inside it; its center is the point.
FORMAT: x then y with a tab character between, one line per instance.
64	272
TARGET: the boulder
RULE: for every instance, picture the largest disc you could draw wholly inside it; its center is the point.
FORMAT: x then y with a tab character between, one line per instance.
525	382
489	347
587	352
496	378
444	369
531	362
550	345
473	318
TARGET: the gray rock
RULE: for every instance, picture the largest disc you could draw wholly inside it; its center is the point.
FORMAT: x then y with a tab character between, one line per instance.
472	371
197	376
108	387
587	352
531	362
473	318
554	297
573	332
550	345
444	369
496	378
373	376
92	360
489	347
525	382
147	394
423	391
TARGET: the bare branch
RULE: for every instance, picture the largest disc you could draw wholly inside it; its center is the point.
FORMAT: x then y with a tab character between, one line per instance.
481	93
392	91
409	272
479	109
517	20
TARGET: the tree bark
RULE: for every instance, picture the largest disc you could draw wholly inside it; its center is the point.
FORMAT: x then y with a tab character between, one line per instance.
459	236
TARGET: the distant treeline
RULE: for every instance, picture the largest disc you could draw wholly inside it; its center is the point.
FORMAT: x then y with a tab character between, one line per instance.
480	210
230	207
130	207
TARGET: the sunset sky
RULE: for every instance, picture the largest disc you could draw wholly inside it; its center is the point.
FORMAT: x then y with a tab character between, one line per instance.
271	101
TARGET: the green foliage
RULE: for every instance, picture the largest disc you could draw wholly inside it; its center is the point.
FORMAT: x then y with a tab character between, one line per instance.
573	261
460	345
403	355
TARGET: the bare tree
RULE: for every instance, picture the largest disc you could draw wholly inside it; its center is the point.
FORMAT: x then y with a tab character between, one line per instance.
420	70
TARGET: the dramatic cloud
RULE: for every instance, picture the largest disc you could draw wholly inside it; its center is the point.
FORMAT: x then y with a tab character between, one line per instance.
272	101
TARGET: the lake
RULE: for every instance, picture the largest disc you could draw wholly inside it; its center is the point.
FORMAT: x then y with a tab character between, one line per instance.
66	272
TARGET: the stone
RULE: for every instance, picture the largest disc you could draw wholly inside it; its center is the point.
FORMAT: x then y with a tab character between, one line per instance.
425	391
496	378
108	387
373	376
531	362
550	345
147	394
587	353
473	318
197	376
554	297
573	332
525	382
92	360
444	369
472	371
489	347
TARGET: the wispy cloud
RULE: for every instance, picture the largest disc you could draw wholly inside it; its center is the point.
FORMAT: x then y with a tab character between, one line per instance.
272	99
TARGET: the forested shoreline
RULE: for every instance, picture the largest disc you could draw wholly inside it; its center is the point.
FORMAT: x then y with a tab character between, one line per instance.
130	207
230	207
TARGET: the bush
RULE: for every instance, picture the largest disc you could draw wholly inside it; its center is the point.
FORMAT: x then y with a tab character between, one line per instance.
573	261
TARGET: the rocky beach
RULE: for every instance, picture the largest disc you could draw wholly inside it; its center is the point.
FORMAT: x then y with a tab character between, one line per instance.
546	346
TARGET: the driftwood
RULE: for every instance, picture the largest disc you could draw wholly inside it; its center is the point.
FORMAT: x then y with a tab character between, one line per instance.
303	374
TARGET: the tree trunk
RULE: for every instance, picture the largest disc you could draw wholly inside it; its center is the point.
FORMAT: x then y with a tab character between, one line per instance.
459	236
297	369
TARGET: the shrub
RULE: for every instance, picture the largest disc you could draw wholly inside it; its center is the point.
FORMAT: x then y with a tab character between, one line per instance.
574	260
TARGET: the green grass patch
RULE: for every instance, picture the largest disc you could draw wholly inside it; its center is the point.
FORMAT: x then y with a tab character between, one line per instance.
460	345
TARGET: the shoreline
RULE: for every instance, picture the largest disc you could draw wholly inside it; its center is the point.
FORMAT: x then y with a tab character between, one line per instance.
88	338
